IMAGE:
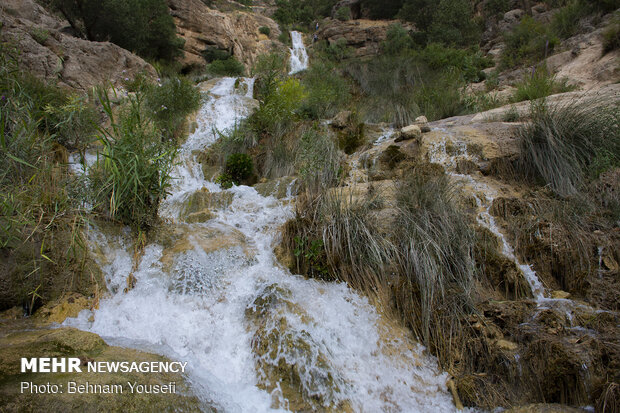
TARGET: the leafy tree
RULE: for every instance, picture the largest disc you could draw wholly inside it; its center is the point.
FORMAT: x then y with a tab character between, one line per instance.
142	26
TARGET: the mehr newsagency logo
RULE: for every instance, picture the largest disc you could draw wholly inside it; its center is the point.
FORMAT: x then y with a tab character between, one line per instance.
75	365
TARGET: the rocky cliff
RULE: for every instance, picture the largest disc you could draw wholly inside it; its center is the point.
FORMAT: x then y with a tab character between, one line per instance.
48	50
236	32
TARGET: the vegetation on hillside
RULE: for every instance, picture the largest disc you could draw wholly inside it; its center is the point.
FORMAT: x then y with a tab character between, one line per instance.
144	27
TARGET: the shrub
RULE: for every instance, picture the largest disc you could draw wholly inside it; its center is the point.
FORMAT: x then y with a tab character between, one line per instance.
285	37
239	167
565	22
538	85
454	24
141	26
469	63
436	265
72	123
40	203
268	71
301	12
397	40
528	43
563	144
327	91
278	107
211	54
264	30
496	7
335	51
227	67
343	14
39	35
133	176
170	102
611	35
317	160
440	95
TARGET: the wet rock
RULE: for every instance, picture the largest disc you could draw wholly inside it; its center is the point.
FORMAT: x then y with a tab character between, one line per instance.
290	364
559	294
68	342
279	188
67	306
408	133
200	205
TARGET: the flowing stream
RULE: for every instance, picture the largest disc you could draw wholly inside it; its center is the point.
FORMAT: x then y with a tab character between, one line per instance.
299	56
484	195
256	337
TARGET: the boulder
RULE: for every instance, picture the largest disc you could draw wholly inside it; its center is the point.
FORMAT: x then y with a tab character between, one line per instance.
409	132
49	53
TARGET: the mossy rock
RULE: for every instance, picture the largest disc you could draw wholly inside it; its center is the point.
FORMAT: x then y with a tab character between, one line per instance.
200	205
289	363
68	342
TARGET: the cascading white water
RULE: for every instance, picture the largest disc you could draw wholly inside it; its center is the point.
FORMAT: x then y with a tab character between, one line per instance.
439	155
299	56
197	301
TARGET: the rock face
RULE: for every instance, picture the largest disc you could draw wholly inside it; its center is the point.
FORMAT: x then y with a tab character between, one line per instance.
49	53
363	35
236	32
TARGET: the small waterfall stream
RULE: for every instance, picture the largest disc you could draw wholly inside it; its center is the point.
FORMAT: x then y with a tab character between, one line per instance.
484	195
214	295
299	56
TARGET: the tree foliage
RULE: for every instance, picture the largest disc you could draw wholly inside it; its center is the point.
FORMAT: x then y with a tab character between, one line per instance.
142	26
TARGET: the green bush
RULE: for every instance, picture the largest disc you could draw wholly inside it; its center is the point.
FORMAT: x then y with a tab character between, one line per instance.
496	7
227	67
133	176
563	145
268	71
285	37
264	30
397	40
211	54
469	63
343	14
170	102
454	24
611	35
239	167
317	160
335	51
301	12
41	210
565	22
141	26
539	84
528	43
328	92
278	109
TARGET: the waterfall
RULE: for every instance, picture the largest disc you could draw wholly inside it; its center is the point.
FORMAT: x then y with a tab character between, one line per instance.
299	56
214	295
